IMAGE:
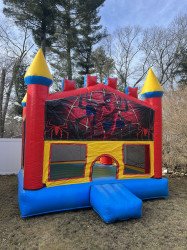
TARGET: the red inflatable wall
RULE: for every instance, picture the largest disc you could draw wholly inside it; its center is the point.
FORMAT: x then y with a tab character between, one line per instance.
33	164
156	102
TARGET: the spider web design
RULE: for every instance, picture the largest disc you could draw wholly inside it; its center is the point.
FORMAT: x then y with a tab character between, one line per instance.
98	115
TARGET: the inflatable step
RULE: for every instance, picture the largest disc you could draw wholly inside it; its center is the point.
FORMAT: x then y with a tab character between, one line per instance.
114	202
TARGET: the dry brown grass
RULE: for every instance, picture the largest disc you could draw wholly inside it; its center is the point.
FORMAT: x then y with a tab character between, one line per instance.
175	130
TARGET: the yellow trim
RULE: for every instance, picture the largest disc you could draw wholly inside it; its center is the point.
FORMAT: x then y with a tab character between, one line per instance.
94	150
24	99
135	168
67	162
39	66
151	84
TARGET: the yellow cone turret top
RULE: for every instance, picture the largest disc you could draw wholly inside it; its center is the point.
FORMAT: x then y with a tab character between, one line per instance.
152	86
24	101
38	72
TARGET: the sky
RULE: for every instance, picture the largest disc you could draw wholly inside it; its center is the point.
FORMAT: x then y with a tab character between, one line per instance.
146	13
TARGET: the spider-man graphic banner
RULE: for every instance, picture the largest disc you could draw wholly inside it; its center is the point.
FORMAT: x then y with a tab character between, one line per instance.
98	115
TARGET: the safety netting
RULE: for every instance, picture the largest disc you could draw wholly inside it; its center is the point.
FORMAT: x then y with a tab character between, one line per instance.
136	159
67	161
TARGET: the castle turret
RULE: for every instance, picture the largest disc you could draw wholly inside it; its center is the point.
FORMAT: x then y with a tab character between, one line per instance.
23	103
152	92
38	79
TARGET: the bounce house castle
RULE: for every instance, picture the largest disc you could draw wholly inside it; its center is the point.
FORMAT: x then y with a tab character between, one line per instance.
90	147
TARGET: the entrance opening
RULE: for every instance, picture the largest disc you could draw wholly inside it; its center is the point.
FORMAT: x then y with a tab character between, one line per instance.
105	166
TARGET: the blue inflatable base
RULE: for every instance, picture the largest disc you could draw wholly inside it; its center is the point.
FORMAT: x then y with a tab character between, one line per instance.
75	196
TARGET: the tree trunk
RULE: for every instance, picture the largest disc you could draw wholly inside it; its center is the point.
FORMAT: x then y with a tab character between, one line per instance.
43	45
43	37
7	98
69	62
68	42
123	80
2	87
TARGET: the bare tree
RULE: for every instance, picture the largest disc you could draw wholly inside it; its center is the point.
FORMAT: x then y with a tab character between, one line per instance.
103	64
12	58
163	45
134	50
125	52
129	54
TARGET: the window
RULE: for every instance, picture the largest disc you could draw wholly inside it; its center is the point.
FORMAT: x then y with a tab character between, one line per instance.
67	161
136	159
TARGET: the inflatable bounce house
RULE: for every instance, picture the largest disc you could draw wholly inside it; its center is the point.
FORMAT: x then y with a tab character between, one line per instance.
90	147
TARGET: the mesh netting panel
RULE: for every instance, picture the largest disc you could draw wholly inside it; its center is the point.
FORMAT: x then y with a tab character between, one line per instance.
66	170
65	152
67	161
134	155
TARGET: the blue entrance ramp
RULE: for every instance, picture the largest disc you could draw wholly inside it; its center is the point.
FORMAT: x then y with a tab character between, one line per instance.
114	202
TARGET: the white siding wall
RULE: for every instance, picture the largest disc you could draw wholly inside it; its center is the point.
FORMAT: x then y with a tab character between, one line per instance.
10	156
